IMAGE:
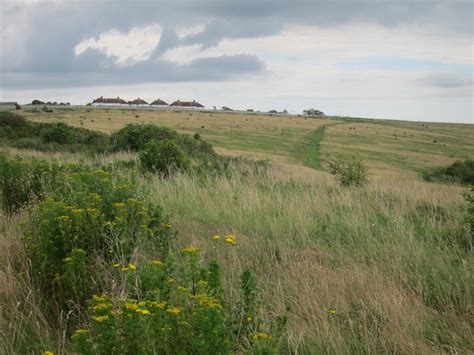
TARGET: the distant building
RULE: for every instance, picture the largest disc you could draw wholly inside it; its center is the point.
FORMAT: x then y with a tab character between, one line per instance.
101	101
187	104
159	103
9	105
138	102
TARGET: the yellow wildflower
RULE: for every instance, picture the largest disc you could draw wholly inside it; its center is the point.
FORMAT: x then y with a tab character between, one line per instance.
119	205
102	298
101	306
80	332
143	312
131	306
100	319
116	265
159	304
216	237
124	269
48	353
167	226
132	266
333	312
156	262
174	310
65	218
261	336
230	239
249	319
191	250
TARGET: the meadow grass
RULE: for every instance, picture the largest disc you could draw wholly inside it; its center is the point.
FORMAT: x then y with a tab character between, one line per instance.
383	268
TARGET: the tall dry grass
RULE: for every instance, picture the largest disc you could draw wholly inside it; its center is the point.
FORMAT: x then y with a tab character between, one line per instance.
379	269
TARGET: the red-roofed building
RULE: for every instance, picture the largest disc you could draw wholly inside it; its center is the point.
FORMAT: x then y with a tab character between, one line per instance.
138	102
101	101
159	103
187	104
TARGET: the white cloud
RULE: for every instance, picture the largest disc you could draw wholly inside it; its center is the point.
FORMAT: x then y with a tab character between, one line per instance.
127	48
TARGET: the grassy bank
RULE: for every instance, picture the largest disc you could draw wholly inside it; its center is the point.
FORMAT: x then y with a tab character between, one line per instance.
382	268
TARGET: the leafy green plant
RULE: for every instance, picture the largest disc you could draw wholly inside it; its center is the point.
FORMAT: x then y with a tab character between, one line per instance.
95	213
170	308
135	136
350	171
163	157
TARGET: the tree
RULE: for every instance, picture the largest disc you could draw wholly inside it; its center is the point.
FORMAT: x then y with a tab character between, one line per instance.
313	112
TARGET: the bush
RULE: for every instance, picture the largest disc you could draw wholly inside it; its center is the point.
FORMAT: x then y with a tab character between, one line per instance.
349	171
58	133
163	156
135	136
174	310
89	218
461	172
22	181
17	132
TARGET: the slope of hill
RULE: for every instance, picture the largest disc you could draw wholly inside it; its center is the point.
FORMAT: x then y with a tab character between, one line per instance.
383	268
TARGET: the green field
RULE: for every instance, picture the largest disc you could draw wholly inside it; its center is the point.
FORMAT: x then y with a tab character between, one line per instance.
383	268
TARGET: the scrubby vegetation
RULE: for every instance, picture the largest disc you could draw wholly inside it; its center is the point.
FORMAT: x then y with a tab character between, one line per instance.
105	256
461	172
102	254
17	132
350	171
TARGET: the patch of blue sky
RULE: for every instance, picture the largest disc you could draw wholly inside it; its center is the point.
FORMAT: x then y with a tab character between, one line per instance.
409	64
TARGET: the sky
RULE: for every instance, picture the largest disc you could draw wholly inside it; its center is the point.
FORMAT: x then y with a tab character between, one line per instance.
408	60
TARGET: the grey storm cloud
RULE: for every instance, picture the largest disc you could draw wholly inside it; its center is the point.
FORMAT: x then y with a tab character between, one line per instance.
41	51
446	80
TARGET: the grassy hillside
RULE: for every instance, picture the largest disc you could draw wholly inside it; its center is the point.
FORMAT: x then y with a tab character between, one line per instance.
387	146
384	268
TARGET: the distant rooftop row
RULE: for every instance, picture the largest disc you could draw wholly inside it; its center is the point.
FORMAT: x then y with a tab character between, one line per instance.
102	101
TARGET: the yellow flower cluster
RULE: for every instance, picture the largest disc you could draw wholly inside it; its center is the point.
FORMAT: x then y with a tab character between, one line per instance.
143	312
101	306
261	336
230	239
175	310
191	250
100	319
156	262
80	332
129	267
209	302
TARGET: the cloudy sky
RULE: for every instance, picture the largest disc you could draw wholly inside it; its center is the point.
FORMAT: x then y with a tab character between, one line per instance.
388	59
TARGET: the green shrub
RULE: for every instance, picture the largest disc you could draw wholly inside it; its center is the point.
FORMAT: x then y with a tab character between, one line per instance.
135	136
177	309
22	181
349	171
461	172
17	132
58	133
163	157
95	213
